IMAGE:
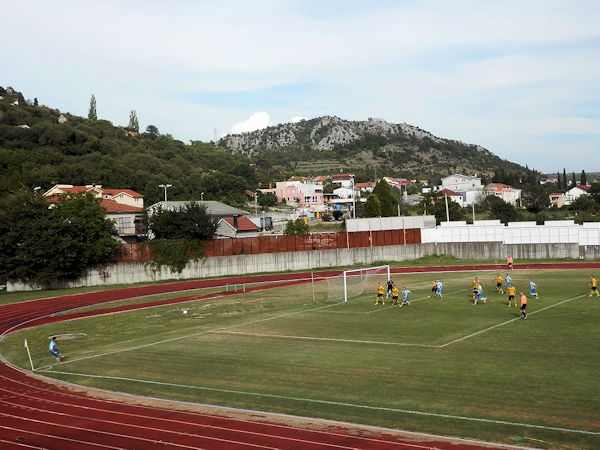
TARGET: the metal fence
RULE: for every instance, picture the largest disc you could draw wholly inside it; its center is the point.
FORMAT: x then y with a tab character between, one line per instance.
276	244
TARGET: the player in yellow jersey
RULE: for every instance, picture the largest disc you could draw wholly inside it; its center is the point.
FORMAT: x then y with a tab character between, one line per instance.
475	284
433	288
593	286
395	295
498	281
379	295
512	292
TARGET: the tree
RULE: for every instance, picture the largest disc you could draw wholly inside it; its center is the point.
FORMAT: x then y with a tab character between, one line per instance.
133	122
152	131
296	227
558	183
564	180
387	199
573	180
501	210
535	198
594	192
435	203
42	245
583	178
266	200
191	222
35	101
92	111
372	206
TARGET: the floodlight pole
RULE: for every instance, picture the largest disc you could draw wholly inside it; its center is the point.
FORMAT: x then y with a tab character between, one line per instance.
353	199
447	212
165	187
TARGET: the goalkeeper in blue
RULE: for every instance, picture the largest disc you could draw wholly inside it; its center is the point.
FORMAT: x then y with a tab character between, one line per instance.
54	351
533	289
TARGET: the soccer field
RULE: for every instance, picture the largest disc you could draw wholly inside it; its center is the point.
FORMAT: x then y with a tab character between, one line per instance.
437	366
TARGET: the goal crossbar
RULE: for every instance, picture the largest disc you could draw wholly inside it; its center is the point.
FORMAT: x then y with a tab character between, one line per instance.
348	273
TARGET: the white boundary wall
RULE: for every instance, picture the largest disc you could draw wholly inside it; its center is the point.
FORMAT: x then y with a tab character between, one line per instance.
552	232
390	223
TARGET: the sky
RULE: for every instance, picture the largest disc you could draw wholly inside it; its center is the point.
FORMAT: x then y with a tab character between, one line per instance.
518	77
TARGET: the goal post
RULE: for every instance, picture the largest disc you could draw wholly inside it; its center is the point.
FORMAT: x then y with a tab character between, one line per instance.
362	276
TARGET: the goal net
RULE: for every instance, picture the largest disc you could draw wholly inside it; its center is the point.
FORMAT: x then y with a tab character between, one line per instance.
351	283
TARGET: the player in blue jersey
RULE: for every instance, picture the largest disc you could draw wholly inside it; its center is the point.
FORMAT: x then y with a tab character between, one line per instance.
533	289
405	297
508	281
438	289
479	298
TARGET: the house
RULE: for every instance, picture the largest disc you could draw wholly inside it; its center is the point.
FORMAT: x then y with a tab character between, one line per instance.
574	193
557	199
461	183
344	179
365	188
124	206
215	209
504	191
236	226
454	196
302	192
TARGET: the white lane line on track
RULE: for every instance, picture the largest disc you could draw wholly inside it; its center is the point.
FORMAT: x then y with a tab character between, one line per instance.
334	403
125	436
288	439
263	424
53	437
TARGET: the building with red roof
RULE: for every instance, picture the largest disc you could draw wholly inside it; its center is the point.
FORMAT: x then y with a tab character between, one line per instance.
124	206
236	226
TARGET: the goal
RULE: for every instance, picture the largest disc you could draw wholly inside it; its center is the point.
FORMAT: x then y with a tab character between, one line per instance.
356	281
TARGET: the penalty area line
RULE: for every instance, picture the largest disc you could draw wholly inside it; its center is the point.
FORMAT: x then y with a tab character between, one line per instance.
313	338
507	322
333	403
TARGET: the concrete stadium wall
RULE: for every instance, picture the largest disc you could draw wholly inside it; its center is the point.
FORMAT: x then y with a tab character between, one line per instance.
223	266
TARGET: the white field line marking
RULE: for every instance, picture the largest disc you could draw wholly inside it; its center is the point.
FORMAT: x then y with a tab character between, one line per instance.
200	333
508	321
56	438
329	402
312	338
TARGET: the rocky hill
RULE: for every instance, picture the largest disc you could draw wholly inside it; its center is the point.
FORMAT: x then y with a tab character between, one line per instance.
375	146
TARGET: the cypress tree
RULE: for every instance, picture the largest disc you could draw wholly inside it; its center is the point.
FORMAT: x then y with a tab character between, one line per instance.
92	112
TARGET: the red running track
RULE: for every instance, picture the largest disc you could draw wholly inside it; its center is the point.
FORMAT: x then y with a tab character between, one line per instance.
40	413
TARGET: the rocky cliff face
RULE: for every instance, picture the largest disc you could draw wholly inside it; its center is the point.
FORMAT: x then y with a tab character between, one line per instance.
323	133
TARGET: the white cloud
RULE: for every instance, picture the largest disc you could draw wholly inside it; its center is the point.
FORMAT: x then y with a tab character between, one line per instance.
256	121
297	119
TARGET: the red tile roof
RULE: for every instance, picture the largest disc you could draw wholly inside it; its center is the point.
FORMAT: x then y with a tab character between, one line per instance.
320	178
451	193
584	187
110	206
113	192
243	224
342	176
365	185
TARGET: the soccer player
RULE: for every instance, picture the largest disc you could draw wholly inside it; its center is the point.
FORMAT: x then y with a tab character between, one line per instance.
395	295
512	291
379	295
433	288
593	286
405	294
508	280
54	351
438	289
509	262
475	283
523	305
479	298
390	286
498	281
533	289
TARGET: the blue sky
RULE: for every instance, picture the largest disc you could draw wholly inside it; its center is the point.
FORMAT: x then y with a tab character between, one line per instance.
521	78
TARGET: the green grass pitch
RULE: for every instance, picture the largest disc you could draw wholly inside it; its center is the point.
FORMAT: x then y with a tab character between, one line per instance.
438	366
